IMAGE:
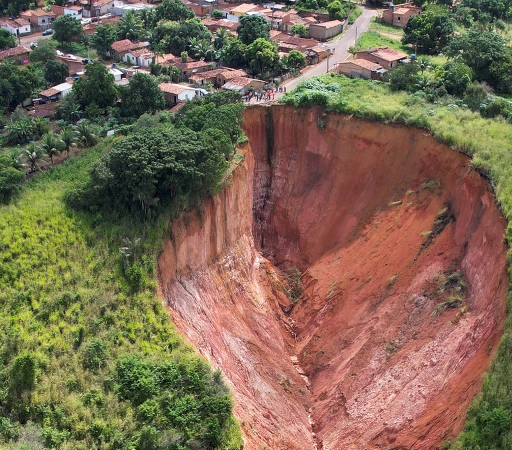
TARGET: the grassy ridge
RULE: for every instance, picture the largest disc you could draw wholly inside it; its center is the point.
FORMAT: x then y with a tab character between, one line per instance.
90	361
489	143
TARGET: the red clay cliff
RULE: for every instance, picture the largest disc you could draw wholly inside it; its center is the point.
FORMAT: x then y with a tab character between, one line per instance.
349	281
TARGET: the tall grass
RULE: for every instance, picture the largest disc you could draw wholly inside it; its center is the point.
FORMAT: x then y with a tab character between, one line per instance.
489	143
68	305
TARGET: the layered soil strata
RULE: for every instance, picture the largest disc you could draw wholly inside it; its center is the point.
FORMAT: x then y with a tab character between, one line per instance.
349	281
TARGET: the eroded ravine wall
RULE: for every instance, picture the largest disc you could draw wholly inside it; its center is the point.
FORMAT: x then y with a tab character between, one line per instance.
342	200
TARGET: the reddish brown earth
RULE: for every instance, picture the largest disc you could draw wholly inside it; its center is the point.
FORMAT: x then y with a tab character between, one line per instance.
383	349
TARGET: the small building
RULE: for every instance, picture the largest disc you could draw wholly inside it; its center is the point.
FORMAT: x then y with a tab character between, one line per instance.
286	43
18	27
360	68
385	56
228	74
120	9
68	10
326	30
96	8
56	93
175	93
210	76
243	85
215	24
122	47
116	73
38	18
75	65
399	15
200	8
318	53
18	54
141	57
192	67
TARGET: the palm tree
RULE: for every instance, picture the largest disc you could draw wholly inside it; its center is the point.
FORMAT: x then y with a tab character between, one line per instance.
51	145
221	39
130	27
86	134
68	136
32	156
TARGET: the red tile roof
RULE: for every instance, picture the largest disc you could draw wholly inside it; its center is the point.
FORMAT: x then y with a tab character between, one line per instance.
15	51
364	63
127	45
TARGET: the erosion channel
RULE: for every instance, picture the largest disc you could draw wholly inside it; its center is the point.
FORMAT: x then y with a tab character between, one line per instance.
349	282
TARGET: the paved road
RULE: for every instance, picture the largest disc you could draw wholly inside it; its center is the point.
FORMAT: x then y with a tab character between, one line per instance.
340	48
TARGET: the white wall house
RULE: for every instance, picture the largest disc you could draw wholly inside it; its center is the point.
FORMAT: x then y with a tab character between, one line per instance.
18	27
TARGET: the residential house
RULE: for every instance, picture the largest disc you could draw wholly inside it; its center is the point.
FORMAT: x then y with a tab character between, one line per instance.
38	18
191	67
215	24
141	57
120	9
122	47
75	65
228	74
199	7
68	10
286	43
18	54
385	56
294	19
18	27
360	68
243	85
56	93
117	74
236	12
399	15
318	53
203	78
175	93
326	30
96	8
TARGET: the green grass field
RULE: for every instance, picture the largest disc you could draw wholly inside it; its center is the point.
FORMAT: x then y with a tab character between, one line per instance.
71	318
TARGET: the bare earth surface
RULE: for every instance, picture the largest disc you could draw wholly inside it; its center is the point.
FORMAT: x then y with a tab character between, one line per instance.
400	247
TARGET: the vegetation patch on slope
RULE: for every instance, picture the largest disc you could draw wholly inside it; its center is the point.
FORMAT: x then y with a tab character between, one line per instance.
489	143
89	356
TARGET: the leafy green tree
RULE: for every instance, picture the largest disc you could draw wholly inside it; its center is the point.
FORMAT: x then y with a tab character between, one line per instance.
69	138
479	49
202	49
233	55
501	9
69	109
16	84
253	27
295	60
130	27
174	10
300	30
221	38
475	95
457	77
97	87
336	10
430	30
46	50
66	29
19	131
262	56
86	134
404	77
55	72
141	95
103	39
51	145
10	178
175	37
7	40
501	72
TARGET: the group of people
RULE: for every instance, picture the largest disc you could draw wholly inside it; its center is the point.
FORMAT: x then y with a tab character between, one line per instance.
264	95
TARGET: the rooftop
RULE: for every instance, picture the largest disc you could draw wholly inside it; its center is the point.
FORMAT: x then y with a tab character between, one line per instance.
330	24
364	63
385	53
126	45
15	51
172	88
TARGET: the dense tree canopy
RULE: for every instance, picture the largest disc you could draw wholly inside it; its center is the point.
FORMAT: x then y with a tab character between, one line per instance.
130	27
97	87
480	50
103	38
262	56
174	10
430	30
16	84
66	29
253	27
141	95
7	40
175	37
55	72
46	50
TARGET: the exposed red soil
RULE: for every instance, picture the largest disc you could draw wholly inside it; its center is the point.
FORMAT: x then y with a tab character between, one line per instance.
380	350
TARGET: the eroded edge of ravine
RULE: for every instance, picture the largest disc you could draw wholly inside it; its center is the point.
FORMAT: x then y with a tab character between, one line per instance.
228	299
